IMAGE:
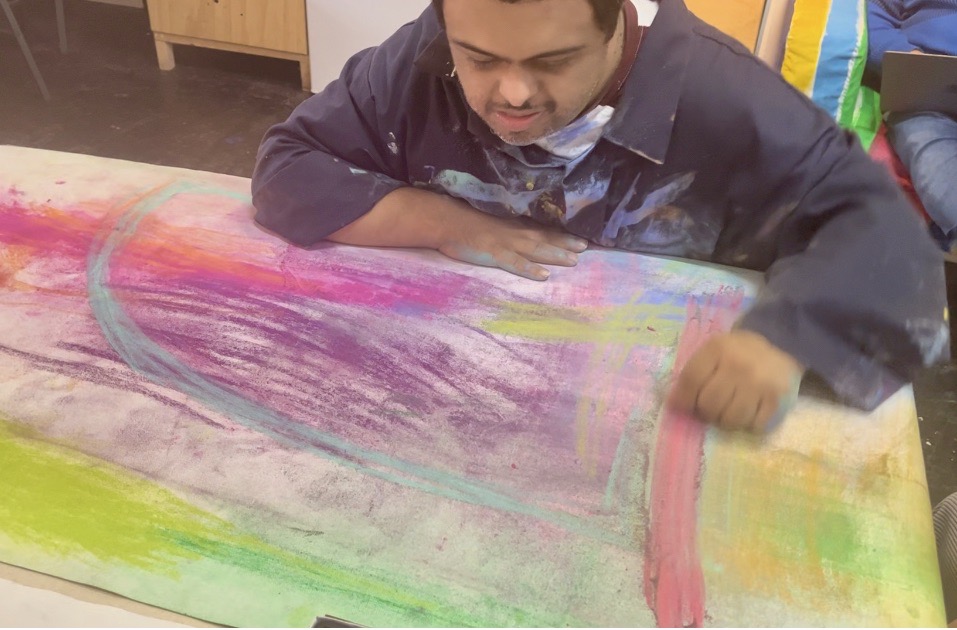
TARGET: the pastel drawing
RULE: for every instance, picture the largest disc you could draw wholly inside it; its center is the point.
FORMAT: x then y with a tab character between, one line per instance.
197	415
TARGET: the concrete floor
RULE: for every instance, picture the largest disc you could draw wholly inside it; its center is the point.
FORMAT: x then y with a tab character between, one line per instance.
110	99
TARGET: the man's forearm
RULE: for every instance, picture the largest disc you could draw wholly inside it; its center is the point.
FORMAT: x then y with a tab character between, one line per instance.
407	217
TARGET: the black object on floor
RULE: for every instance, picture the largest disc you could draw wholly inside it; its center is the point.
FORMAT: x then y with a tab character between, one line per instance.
936	394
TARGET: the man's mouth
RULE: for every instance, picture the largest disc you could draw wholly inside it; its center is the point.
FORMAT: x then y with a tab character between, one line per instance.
516	122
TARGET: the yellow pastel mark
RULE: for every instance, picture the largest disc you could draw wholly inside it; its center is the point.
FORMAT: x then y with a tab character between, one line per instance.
608	358
70	505
832	518
614	331
628	325
43	486
605	360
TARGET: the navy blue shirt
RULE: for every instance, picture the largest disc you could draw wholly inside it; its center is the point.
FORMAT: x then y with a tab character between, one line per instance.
710	155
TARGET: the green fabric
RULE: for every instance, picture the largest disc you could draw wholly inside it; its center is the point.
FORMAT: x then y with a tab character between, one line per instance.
861	107
825	57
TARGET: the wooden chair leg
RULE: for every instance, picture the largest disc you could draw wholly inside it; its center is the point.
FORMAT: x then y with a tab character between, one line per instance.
164	54
305	73
18	34
61	25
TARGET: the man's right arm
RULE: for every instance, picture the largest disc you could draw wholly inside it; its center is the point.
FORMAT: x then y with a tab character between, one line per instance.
410	217
325	166
328	173
309	186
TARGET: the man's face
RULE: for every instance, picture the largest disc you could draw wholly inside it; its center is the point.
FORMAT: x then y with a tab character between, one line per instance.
529	68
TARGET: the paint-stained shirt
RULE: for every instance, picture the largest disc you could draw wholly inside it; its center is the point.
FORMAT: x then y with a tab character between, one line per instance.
709	155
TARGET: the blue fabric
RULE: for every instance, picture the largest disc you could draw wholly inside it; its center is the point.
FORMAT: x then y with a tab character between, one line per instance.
841	50
836	52
710	155
927	146
906	25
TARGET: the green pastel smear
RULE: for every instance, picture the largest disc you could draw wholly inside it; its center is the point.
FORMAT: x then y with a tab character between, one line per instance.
56	503
66	505
849	542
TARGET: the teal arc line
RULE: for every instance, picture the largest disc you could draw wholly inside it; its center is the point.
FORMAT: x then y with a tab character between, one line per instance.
150	360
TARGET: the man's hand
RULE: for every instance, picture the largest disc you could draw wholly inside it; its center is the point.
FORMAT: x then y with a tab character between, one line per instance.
409	217
516	246
737	380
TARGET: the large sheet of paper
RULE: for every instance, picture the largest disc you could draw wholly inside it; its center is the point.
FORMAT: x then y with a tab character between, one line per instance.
198	416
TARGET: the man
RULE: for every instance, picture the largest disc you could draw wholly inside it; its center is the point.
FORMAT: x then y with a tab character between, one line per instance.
523	130
925	141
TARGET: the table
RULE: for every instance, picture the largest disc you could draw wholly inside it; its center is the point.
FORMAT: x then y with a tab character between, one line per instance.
197	416
34	600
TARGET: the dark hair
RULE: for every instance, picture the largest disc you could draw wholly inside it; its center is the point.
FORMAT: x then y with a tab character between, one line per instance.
606	13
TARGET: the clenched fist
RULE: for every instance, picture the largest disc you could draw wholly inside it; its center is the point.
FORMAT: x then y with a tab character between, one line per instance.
738	380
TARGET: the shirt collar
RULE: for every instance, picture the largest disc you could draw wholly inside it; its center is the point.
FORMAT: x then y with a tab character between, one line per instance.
645	114
436	58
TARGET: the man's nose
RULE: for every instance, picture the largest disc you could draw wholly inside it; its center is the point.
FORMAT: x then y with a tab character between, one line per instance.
517	87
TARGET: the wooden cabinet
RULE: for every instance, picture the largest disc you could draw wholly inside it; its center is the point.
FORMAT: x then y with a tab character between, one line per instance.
740	19
274	28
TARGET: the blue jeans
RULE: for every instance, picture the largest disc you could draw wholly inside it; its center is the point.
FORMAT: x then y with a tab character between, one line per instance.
927	145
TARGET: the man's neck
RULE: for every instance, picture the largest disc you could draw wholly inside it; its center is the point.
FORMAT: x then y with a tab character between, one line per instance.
618	51
619	47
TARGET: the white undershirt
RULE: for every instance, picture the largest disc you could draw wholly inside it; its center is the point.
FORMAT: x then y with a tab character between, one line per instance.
647	10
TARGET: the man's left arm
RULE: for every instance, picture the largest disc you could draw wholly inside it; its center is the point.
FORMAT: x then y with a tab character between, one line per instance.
855	286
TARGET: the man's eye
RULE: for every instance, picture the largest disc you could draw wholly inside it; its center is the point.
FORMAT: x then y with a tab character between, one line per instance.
482	64
551	65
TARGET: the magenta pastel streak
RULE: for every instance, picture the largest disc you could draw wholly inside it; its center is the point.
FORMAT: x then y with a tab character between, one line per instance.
172	318
325	279
20	226
673	579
